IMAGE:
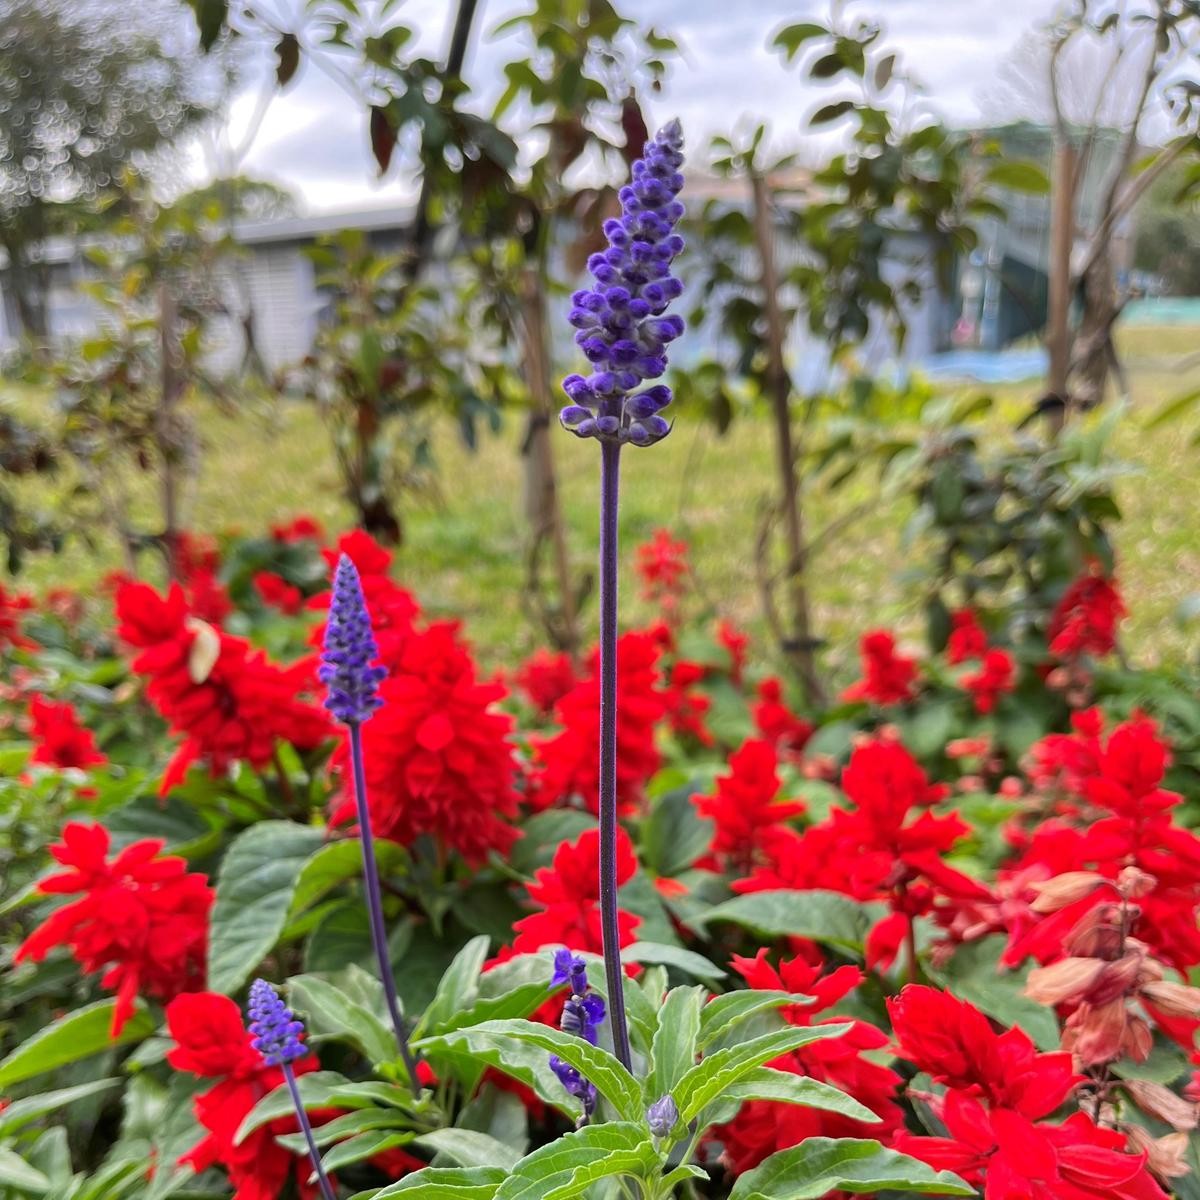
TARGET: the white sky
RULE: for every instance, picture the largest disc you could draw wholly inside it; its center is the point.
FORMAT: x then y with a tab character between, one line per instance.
314	141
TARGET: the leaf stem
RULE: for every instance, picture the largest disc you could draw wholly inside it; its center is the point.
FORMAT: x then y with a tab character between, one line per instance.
375	904
610	472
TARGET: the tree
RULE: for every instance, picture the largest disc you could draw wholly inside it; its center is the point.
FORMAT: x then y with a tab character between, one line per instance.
1168	233
80	97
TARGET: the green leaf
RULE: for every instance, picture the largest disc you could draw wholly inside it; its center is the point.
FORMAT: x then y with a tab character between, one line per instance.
1173	409
468	1148
687	961
446	1183
571	1164
831	112
674	834
363	1146
605	1072
365	1120
332	1013
819	916
32	1107
520	1002
820	1165
336	862
715	1074
675	1040
722	1013
258	880
79	1034
458	986
791	37
316	1091
15	1172
801	1090
1019	177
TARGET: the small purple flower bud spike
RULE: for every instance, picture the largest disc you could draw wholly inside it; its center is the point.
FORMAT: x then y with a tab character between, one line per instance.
348	670
583	1013
620	324
277	1038
662	1116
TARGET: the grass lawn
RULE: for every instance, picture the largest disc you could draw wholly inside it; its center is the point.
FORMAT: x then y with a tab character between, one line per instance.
464	554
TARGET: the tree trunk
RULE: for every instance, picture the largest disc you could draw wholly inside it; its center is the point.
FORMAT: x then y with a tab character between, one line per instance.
28	292
799	645
1062	238
167	430
542	507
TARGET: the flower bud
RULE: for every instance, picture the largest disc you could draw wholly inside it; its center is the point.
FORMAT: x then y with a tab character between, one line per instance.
662	1115
1163	1104
1173	999
1064	890
1068	979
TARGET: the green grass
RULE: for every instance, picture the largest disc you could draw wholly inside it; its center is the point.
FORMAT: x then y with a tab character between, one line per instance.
464	555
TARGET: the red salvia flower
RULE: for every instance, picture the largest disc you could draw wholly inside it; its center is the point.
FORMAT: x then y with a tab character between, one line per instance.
685	706
1086	618
438	754
735	643
568	893
276	592
301	528
888	677
142	919
212	1043
749	818
995	678
567	764
228	701
967	637
13	607
546	678
59	740
777	724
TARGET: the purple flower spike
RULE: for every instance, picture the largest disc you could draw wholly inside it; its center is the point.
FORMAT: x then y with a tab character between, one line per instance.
276	1032
350	650
569	968
620	324
582	1015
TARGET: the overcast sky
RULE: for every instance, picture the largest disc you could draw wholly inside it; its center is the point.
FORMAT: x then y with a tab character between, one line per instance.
313	139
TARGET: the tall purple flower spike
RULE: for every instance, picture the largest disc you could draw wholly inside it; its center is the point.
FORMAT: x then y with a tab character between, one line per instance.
348	670
620	322
582	1014
276	1035
624	334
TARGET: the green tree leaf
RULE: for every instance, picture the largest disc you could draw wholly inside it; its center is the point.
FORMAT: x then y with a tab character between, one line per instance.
820	1165
1019	176
79	1034
791	37
254	893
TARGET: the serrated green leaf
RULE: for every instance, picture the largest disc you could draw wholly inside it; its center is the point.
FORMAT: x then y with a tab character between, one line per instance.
723	1013
820	1165
332	1013
79	1034
254	893
570	1165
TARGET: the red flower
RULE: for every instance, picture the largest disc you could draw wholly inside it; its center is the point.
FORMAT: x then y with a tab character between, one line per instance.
568	892
302	528
735	642
567	764
748	815
995	678
546	678
13	606
229	701
762	1127
142	918
276	592
967	637
777	723
59	740
888	677
212	1043
685	706
663	567
1086	618
438	756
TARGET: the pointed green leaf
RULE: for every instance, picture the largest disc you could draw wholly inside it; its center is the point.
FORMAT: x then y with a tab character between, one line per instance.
79	1034
820	1165
363	1146
688	961
316	1090
32	1107
446	1183
571	1164
723	1013
674	1051
458	987
468	1148
15	1172
328	1011
786	1088
820	916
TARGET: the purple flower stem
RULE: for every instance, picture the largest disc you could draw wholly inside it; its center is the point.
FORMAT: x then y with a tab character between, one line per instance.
313	1153
610	473
375	904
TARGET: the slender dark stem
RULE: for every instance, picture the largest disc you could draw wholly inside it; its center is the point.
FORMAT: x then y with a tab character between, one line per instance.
610	473
313	1153
375	904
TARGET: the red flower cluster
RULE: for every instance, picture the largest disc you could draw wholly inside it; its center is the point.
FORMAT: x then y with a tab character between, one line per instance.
275	592
686	706
777	724
59	740
996	677
967	637
888	677
567	764
1086	618
750	819
142	918
302	528
228	701
762	1126
735	643
13	606
568	893
212	1043
197	559
1000	1091
663	568
438	756
546	678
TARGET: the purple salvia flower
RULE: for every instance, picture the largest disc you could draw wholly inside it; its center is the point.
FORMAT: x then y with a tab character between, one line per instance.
582	1015
277	1038
619	323
350	650
276	1032
347	670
